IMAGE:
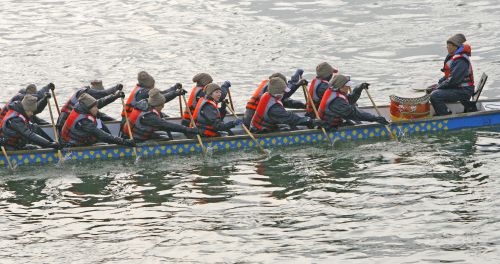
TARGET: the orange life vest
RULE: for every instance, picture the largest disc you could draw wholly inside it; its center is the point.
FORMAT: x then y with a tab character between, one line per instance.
139	130
469	80
254	101
324	109
201	122
313	94
131	100
192	101
261	120
71	134
13	138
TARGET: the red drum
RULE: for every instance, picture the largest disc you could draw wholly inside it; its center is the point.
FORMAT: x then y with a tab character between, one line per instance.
410	108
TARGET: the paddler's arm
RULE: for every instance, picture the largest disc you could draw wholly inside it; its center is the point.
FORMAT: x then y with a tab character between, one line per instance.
212	118
20	127
155	121
279	115
109	99
348	111
92	129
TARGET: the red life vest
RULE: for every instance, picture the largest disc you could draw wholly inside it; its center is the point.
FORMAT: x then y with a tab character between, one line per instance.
131	100
261	120
70	104
192	101
313	94
200	120
324	110
254	101
469	80
13	138
139	130
71	135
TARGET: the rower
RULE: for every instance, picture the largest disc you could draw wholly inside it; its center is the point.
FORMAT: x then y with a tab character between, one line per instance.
207	116
201	80
337	106
295	82
145	83
145	120
40	95
96	90
319	85
457	84
17	130
271	115
82	125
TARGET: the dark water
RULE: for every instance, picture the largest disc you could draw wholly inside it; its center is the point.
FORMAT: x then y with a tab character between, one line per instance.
427	199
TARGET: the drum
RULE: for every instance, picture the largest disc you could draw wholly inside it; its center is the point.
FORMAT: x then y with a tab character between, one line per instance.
410	108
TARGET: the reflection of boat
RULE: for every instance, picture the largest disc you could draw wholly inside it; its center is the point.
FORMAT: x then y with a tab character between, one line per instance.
488	115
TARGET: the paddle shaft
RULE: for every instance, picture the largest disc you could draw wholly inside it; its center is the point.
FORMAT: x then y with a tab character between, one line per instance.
56	135
310	101
7	158
180	107
55	102
194	125
261	149
378	112
130	136
230	98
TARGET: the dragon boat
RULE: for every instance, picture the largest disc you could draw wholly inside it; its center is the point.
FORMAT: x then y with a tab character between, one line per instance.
487	114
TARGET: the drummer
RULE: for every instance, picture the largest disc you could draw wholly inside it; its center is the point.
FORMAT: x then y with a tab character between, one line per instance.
338	107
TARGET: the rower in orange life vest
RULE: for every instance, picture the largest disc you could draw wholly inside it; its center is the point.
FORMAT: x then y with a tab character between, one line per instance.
145	83
271	115
457	84
207	116
40	95
201	80
338	106
18	132
318	86
96	90
81	127
146	122
295	82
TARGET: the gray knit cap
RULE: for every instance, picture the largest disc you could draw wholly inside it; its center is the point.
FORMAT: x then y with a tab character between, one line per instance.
96	85
338	81
31	89
87	100
202	79
156	98
145	80
29	103
324	70
279	75
276	86
457	39
212	87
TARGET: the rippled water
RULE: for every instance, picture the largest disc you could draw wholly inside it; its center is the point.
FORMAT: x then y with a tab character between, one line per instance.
427	199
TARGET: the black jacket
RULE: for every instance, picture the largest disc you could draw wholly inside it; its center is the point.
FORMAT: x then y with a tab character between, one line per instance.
349	111
153	120
16	126
209	115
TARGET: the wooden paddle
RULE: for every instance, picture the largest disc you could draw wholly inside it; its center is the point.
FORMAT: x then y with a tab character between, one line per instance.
261	149
134	149
378	112
55	102
194	125
56	135
7	158
310	101
180	107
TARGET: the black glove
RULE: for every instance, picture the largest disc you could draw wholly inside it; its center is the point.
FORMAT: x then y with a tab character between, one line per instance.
381	120
51	86
47	95
181	91
129	143
2	141
119	87
226	84
320	123
178	86
120	94
297	75
364	86
55	145
302	82
431	88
